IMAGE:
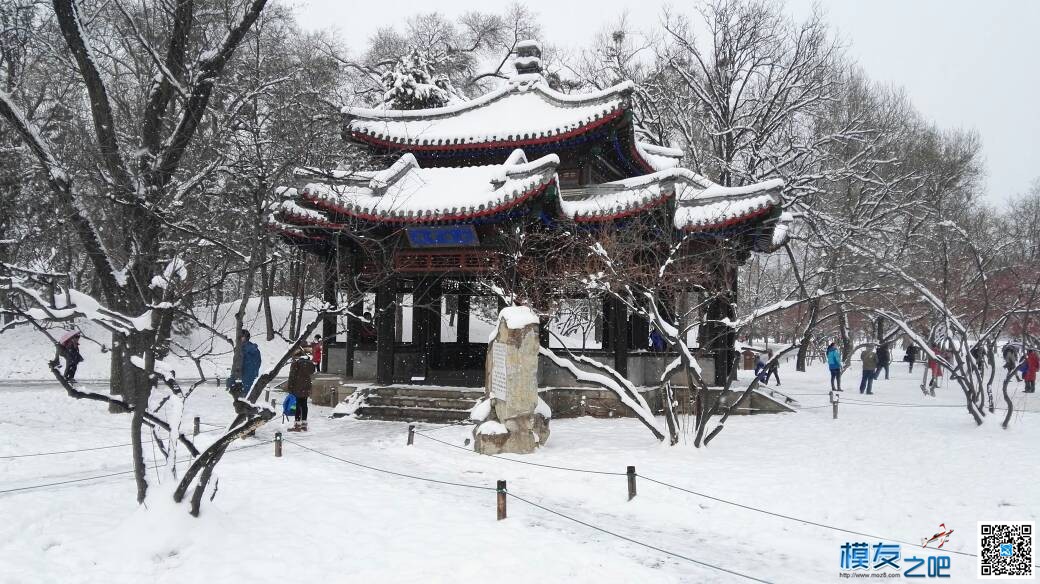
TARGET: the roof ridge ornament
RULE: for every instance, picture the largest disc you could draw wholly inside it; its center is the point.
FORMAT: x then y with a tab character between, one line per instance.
528	62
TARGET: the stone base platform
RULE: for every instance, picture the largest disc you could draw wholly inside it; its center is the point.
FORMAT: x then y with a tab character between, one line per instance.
424	403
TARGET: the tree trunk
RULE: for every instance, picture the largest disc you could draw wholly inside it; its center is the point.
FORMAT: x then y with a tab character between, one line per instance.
266	284
803	346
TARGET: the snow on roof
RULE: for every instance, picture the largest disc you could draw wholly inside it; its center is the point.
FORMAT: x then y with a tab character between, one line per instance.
292	211
523	109
718	212
625	197
701	203
659	157
782	229
407	193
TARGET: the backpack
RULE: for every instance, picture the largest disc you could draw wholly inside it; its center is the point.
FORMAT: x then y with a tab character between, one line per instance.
289	405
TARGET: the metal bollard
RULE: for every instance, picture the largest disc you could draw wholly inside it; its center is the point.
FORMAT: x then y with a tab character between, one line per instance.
333	397
501	500
411	434
196	429
267	394
834	404
278	444
631	472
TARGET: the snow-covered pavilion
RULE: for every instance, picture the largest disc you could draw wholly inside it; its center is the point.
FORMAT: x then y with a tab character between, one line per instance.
521	153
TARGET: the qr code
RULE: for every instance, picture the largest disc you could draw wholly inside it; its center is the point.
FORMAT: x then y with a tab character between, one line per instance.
1006	550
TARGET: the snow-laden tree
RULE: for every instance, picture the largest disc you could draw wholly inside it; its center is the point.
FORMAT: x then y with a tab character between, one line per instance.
148	76
410	85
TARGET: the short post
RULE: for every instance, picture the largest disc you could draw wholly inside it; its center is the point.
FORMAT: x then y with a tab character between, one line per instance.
501	500
333	397
267	394
411	434
278	444
196	429
631	472
274	404
834	404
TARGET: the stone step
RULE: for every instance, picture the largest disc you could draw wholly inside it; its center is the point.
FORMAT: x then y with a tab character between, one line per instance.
391	391
407	401
409	414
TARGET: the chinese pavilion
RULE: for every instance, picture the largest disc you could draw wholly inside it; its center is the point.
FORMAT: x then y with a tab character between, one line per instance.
523	155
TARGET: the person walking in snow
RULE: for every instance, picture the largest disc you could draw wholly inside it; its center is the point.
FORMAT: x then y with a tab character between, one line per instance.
68	348
760	369
772	368
834	364
911	356
1032	364
301	375
1011	360
933	367
870	369
884	357
978	355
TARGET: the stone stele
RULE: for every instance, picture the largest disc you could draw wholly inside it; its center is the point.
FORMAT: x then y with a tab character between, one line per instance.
511	383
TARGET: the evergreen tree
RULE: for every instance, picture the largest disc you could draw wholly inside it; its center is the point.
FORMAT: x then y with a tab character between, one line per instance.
410	85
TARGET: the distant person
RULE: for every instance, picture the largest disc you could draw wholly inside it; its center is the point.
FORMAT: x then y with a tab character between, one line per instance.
316	351
834	364
870	369
1032	364
884	357
656	341
935	369
978	356
911	356
367	330
301	375
1011	360
250	363
772	368
760	368
68	348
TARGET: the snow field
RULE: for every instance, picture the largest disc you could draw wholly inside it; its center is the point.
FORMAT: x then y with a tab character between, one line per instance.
896	471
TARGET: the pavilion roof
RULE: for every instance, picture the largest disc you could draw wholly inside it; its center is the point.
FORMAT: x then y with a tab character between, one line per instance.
406	193
524	111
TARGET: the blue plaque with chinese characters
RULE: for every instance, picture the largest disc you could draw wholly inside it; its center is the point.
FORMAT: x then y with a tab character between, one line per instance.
443	236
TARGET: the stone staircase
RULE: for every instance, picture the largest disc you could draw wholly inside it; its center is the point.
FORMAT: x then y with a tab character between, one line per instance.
418	403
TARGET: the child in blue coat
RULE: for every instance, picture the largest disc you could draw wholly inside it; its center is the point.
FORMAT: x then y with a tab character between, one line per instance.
834	363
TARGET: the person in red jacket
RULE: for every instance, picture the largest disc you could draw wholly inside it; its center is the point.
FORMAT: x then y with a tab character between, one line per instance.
316	351
1032	365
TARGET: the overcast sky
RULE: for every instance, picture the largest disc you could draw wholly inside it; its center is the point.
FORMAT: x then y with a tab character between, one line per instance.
965	63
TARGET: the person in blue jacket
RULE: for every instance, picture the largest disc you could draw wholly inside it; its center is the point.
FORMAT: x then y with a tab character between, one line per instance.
250	367
834	363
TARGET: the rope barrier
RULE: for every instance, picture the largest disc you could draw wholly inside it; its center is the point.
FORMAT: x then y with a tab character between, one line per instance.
635	541
533	504
33	454
122	472
390	472
600	472
790	518
741	505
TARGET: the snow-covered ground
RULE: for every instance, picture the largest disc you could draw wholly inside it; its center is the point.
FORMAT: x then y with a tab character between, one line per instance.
895	471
